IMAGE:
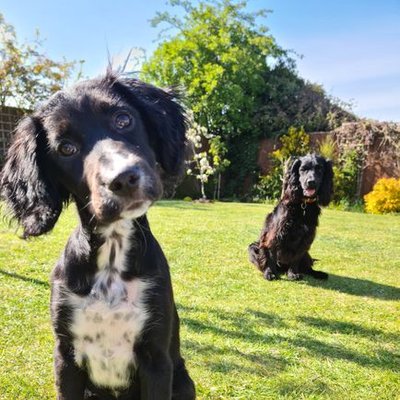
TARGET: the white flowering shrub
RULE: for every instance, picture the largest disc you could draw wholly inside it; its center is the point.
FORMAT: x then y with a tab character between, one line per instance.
208	151
200	163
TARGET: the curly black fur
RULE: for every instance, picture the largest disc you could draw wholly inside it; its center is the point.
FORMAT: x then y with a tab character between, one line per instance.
290	229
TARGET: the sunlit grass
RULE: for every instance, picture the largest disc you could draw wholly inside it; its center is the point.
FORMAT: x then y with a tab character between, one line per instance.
243	337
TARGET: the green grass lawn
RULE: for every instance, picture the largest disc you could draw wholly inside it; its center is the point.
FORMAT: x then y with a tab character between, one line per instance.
243	337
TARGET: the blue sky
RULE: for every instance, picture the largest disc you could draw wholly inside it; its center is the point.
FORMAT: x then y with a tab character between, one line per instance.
351	47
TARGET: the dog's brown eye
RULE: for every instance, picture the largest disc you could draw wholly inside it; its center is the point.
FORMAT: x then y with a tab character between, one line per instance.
122	120
67	149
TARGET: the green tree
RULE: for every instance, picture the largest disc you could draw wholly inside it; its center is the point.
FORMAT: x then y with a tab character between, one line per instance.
288	100
240	84
218	53
27	75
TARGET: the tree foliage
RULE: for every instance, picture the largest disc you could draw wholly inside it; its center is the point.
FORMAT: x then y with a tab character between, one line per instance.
288	100
27	75
219	56
240	84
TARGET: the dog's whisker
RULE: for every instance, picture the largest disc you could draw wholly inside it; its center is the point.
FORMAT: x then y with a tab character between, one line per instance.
86	206
92	218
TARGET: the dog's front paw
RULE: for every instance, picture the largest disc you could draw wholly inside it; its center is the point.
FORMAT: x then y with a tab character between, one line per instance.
269	275
294	277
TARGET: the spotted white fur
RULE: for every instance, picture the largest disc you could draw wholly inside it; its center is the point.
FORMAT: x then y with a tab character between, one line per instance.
108	322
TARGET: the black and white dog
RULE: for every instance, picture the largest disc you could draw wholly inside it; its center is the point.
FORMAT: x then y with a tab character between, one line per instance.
105	144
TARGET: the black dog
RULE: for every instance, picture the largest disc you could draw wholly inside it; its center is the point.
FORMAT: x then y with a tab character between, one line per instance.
104	144
290	229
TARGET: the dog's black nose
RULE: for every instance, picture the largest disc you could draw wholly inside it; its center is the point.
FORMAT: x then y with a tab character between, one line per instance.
125	182
311	184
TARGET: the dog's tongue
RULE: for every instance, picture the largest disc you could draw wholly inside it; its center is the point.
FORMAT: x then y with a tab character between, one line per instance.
309	192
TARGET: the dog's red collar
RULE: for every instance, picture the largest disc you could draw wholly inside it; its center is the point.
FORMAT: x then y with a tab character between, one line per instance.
309	200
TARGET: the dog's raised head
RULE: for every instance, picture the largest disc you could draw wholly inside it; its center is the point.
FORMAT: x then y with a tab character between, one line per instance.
104	143
308	178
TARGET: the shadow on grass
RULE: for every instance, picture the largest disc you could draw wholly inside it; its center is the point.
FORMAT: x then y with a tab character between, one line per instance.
384	359
242	326
357	287
257	364
247	327
25	278
349	328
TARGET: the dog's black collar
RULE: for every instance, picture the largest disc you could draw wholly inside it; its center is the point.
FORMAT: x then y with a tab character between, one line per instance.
308	201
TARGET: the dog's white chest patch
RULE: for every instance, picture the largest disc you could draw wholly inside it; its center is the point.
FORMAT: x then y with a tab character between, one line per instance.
104	335
107	323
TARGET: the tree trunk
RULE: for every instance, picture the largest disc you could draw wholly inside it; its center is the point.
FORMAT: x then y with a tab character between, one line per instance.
203	193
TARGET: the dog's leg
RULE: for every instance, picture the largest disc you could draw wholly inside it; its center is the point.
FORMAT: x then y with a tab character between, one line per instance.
270	268
262	259
293	273
254	254
155	373
183	386
70	380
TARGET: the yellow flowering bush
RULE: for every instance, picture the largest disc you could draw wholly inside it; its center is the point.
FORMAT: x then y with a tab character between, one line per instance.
384	197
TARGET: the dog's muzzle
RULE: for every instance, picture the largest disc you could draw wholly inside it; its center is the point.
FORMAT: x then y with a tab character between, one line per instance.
121	183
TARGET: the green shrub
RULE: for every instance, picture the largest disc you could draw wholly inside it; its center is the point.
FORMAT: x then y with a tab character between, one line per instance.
346	175
327	147
295	143
268	186
384	197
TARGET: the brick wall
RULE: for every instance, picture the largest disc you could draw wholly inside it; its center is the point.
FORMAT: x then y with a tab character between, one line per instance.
267	146
9	117
374	169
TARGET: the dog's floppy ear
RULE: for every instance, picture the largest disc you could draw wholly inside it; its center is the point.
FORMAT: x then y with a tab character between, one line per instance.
25	186
326	189
165	119
291	186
